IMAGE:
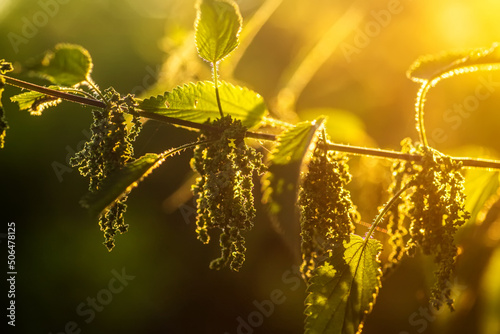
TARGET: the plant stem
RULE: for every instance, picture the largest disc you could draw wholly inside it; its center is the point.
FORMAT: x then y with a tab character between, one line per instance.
216	83
54	93
419	107
386	208
95	88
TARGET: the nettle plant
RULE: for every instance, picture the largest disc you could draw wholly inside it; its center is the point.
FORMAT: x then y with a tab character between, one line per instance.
304	170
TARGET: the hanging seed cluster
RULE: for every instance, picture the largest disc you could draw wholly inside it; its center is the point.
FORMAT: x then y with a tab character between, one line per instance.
224	189
437	210
327	212
398	217
109	148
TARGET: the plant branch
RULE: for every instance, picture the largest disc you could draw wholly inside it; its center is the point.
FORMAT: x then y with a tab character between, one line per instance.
55	93
387	154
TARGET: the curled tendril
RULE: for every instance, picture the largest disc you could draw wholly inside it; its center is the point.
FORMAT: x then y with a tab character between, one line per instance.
327	212
109	148
224	189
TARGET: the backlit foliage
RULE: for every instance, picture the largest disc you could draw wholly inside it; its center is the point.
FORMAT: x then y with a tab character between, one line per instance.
306	172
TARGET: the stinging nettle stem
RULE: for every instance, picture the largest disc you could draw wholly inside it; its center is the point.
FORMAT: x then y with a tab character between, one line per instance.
386	208
466	162
54	93
216	83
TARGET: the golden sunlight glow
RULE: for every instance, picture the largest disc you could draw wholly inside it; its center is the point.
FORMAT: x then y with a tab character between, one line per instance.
457	23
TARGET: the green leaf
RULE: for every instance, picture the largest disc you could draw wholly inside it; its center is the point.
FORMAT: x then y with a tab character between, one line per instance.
217	25
5	66
122	181
281	182
67	65
196	102
344	288
480	187
36	102
443	65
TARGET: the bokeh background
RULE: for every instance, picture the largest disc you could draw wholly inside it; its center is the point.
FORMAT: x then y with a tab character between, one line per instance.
355	75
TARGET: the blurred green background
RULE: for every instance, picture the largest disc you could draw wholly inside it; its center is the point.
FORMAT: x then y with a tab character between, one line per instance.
357	78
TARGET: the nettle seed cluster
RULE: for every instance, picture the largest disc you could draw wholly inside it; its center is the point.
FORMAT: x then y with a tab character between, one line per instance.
434	210
109	148
327	212
224	189
425	217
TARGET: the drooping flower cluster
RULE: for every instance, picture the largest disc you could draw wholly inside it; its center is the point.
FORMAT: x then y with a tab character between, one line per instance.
223	190
109	148
398	219
437	210
327	212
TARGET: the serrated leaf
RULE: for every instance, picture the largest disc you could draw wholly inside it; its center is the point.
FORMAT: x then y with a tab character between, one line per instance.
217	27
67	65
480	187
430	67
344	288
35	102
281	182
5	66
119	183
196	102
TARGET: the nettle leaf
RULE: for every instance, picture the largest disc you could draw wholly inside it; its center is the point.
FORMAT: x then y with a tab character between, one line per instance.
480	187
67	65
4	68
344	288
281	182
36	102
196	102
435	67
218	25
122	181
